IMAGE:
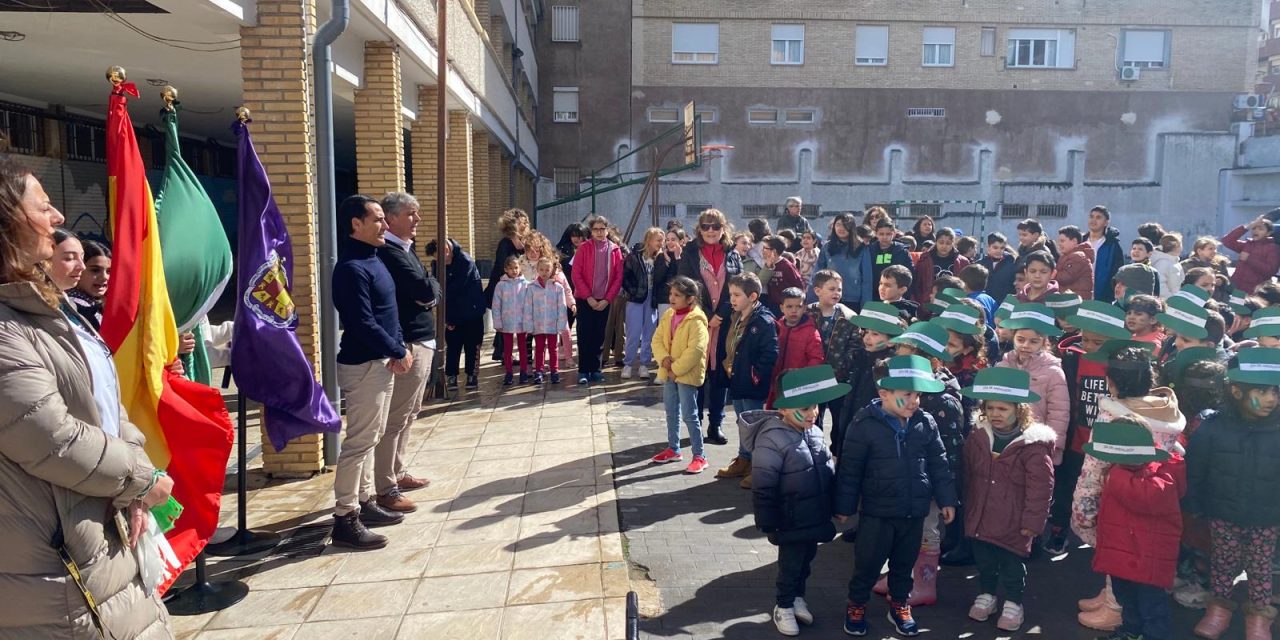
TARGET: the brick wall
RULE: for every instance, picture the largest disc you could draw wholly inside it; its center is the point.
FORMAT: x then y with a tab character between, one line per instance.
379	122
422	137
459	196
486	219
497	190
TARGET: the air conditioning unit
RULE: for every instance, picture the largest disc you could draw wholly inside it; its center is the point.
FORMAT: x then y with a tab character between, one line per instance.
1130	74
1249	101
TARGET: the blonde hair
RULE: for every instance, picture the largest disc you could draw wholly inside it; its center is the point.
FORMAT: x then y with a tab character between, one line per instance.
554	264
509	221
1204	241
716	215
1022	415
542	245
650	234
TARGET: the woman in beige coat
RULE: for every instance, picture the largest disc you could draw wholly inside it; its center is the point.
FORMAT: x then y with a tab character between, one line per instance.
73	474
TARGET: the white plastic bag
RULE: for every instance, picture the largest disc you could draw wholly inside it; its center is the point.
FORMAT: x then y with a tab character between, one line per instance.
157	564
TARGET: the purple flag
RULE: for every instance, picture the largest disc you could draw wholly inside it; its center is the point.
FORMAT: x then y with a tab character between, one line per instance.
266	359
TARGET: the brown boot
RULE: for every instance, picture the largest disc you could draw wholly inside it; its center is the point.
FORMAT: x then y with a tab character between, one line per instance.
1217	617
1257	622
745	483
393	500
736	469
409	482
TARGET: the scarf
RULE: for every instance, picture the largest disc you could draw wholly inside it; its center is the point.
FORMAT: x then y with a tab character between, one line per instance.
714	278
601	268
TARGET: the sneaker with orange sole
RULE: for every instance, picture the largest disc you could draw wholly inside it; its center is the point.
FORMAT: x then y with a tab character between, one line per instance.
667	455
698	465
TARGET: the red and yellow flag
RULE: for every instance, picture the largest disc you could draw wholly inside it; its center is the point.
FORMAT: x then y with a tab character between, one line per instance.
186	424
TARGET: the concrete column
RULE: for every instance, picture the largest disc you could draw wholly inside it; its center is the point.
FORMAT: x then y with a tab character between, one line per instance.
459	195
425	155
276	87
486	219
380	122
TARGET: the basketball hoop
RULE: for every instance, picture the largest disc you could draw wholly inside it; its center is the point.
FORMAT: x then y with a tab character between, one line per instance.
713	151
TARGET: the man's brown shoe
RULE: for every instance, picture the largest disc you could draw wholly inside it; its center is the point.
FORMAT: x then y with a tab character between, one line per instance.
736	469
409	482
395	501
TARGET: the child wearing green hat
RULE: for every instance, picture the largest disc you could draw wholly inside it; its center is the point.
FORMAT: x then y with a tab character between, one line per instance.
879	322
1033	324
1008	484
1139	525
1232	476
1140	319
892	466
1265	328
792	483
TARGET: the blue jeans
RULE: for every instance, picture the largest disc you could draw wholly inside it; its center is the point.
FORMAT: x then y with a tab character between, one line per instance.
1146	610
740	407
641	319
681	400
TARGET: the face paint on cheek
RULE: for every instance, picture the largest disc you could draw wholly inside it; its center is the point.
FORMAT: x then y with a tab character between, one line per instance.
1255	404
901	403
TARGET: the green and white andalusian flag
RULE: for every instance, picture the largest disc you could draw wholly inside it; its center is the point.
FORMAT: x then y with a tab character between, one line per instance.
197	254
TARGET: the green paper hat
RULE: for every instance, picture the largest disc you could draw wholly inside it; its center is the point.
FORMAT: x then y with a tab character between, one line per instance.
1265	323
1002	383
1063	304
1185	317
912	373
799	388
960	318
1111	347
1191	293
928	337
1188	357
1256	366
1006	307
1034	316
1124	443
879	316
1096	316
1236	300
943	300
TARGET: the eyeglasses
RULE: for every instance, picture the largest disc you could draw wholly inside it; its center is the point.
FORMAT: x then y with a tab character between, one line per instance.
710	226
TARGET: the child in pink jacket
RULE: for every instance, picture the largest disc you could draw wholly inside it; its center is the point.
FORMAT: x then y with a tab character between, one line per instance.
546	316
1033	324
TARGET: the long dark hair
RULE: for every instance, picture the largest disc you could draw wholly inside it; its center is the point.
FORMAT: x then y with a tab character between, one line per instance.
574	230
849	245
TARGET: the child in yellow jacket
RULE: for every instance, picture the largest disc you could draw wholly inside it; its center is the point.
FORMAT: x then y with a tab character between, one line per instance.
680	348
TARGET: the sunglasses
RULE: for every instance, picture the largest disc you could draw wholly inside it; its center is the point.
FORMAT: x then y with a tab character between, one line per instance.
710	226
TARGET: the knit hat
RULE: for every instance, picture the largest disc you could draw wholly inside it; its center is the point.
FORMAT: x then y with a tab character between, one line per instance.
1096	316
1256	366
943	300
1062	304
1034	316
1124	443
928	337
1112	347
1236	300
1189	356
1137	278
1002	383
879	316
910	373
1266	322
1191	293
1184	317
1006	307
960	318
799	388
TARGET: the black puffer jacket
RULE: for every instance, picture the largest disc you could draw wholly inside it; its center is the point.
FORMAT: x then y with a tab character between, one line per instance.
947	411
1233	469
792	480
889	472
636	276
862	380
664	271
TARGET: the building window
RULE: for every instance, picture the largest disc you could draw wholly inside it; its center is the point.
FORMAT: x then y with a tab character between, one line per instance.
664	211
695	43
86	142
788	44
762	116
20	131
1014	211
988	41
926	112
567	180
939	47
871	45
664	116
1145	49
692	211
801	116
1051	211
565	104
753	211
564	24
1042	48
708	115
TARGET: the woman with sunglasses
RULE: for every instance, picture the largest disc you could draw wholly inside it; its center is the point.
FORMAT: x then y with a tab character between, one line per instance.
710	260
597	278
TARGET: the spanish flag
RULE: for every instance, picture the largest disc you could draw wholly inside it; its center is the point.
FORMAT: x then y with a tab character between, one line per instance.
186	424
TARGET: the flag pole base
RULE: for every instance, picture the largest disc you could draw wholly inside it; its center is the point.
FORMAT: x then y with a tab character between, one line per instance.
245	542
204	596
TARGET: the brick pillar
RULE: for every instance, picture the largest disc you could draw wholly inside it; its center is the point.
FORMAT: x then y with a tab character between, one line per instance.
276	87
501	180
459	196
425	155
498	190
486	219
380	122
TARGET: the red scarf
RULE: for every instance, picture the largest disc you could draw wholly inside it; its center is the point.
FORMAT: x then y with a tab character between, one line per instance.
714	255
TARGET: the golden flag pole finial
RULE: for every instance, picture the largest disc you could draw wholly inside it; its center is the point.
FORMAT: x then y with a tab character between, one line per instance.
242	114
116	75
170	95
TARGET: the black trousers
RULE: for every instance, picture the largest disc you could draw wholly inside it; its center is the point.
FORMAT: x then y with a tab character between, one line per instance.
591	326
1145	609
1065	477
879	539
714	392
999	566
794	560
465	337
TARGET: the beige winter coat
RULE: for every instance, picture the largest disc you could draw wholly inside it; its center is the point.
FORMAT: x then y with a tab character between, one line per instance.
60	471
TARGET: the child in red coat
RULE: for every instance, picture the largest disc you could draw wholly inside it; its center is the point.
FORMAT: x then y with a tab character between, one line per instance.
1139	524
799	342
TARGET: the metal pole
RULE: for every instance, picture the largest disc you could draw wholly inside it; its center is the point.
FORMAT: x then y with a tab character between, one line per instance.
593	191
326	212
657	183
442	229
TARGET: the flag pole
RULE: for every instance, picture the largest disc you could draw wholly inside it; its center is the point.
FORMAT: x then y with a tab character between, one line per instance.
243	542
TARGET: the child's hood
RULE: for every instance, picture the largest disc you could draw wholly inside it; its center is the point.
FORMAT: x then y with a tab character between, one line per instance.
518	279
1037	364
1034	433
1159	408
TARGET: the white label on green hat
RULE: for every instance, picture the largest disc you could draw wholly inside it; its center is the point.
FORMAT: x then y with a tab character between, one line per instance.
1040	317
1006	305
920	337
1062	304
1265	320
1259	366
910	373
1199	302
1237	300
1100	317
810	388
1002	390
872	314
1179	314
1123	450
956	315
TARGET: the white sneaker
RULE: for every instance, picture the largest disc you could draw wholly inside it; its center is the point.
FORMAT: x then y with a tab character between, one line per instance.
983	606
626	373
1191	595
1010	617
803	615
642	373
785	621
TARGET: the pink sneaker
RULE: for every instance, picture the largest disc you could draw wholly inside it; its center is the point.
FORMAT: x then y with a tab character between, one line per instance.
667	455
697	466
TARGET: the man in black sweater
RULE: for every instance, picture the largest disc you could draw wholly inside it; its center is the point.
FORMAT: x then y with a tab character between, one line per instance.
372	352
416	295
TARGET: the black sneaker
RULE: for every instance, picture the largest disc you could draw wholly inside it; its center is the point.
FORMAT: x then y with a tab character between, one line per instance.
348	531
537	378
373	515
1055	544
524	378
473	381
452	381
555	378
900	616
508	380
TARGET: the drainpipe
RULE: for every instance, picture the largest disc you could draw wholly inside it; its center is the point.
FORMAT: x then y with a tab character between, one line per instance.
326	212
516	65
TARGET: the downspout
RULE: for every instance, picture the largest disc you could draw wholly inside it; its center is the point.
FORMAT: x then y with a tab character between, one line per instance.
515	88
326	212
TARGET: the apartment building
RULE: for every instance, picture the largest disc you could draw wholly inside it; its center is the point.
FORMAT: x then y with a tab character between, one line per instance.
1009	108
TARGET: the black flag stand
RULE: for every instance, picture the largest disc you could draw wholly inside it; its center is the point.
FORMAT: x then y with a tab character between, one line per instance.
204	596
243	542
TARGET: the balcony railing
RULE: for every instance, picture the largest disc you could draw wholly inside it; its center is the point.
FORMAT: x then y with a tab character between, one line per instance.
1269	49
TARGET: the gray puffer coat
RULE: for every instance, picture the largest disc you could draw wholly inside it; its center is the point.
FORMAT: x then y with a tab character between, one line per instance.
792	478
60	472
